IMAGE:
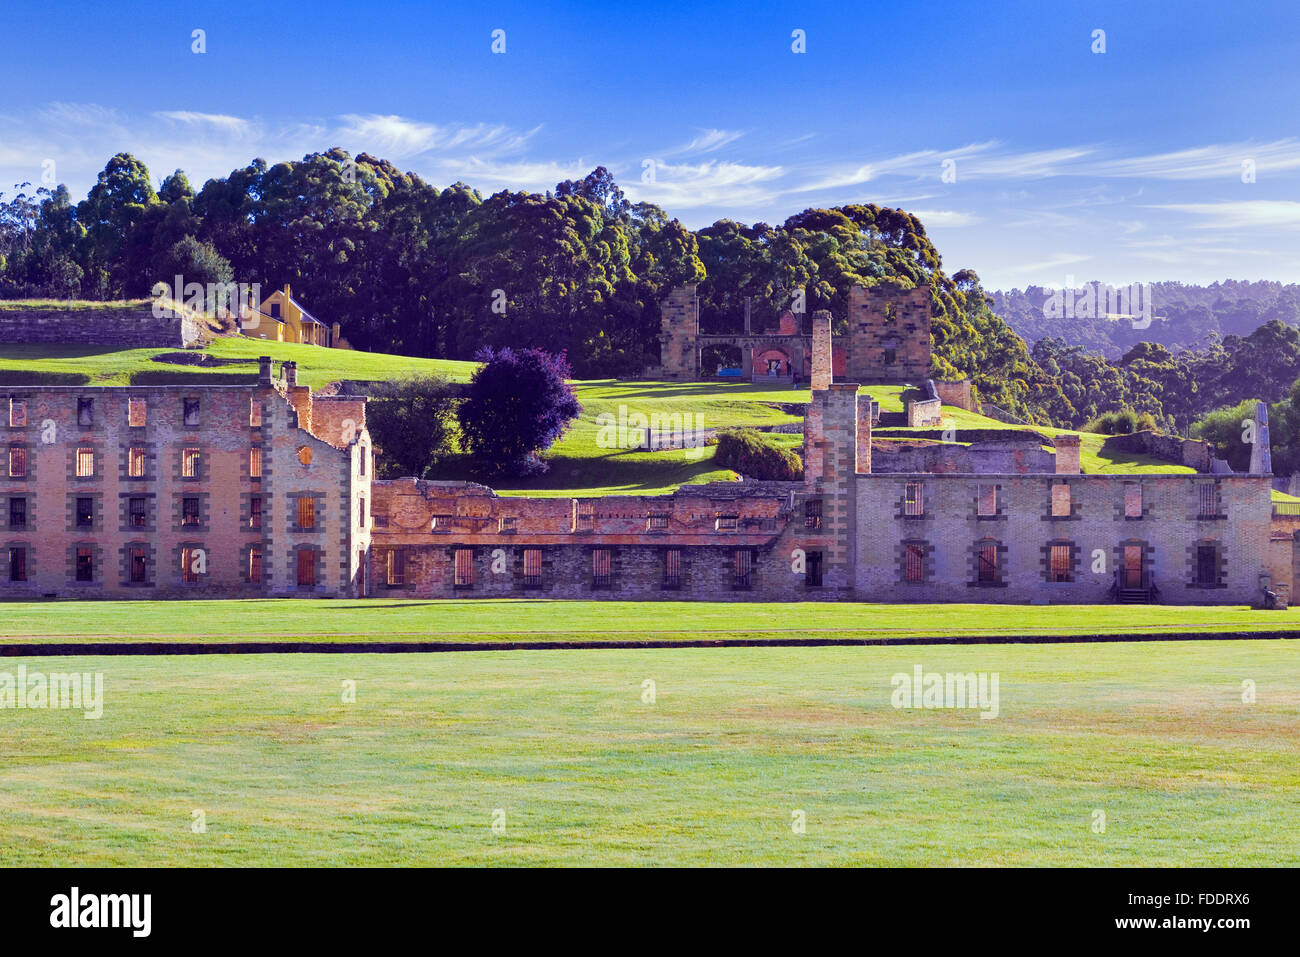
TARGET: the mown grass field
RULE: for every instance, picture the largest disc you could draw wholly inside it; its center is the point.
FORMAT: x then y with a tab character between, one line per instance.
406	619
587	772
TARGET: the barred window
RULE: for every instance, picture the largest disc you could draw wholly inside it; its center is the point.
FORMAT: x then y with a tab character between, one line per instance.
657	522
137	412
190	411
744	563
673	568
189	463
1058	562
1132	500
361	512
1208	498
464	567
18	564
586	522
1207	566
506	523
17	413
727	523
255	511
600	567
812	513
532	567
255	412
85	512
135	462
190	564
255	463
914	499
139	562
987	561
255	564
17	461
306	567
137	512
17	513
85	462
913	563
1060	500
85	568
988	500
85	412
813	570
306	512
190	511
363	457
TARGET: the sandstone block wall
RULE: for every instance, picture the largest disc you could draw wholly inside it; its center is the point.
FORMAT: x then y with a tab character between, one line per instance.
294	464
889	334
135	328
1169	530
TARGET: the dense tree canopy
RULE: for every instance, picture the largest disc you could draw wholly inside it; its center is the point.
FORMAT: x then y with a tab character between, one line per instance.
408	268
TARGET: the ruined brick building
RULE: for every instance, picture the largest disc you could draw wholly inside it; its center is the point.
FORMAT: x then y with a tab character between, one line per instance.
267	490
888	339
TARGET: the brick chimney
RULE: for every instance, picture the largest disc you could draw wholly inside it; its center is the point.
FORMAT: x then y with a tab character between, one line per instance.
822	373
1067	454
264	371
864	434
289	370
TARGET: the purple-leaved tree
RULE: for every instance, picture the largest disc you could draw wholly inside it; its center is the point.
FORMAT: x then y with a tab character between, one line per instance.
519	403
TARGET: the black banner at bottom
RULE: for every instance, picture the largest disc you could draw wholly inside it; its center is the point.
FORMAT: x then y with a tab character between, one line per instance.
333	906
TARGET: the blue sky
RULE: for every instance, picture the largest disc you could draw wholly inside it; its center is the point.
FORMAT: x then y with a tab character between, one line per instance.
1120	166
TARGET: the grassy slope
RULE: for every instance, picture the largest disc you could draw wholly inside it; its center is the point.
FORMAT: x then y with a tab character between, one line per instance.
400	619
579	466
1156	737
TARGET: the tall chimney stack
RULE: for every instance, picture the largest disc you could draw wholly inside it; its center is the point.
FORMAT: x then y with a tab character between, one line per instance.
822	369
264	371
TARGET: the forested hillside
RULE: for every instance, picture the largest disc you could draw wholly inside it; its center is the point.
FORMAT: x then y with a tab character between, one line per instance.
413	269
409	268
1183	316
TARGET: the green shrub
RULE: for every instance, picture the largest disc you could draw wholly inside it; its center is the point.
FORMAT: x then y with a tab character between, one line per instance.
753	455
1121	422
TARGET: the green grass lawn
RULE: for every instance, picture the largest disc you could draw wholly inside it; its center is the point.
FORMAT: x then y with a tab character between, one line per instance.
586	772
401	619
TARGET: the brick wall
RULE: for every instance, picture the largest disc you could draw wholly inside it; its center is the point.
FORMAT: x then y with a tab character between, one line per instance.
889	334
194	499
1168	530
679	330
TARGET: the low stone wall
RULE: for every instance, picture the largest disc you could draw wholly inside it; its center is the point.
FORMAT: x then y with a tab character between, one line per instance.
924	413
956	394
135	328
1017	458
1190	452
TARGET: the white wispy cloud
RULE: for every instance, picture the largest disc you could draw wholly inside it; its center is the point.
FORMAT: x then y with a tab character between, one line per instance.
949	218
397	137
233	125
1243	214
1204	162
712	183
708	141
